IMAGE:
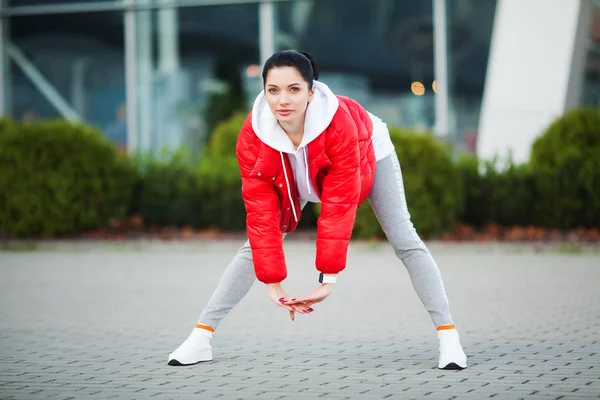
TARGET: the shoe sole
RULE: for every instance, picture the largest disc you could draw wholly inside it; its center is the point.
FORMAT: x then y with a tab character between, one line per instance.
175	363
453	367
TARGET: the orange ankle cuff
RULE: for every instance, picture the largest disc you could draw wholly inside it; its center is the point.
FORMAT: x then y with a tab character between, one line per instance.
208	328
445	327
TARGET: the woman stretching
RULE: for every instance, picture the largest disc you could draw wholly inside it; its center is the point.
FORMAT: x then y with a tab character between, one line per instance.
302	143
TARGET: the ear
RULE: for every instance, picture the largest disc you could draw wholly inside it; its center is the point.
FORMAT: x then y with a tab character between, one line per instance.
311	94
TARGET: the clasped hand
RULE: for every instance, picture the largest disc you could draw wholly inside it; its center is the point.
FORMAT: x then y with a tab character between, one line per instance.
302	305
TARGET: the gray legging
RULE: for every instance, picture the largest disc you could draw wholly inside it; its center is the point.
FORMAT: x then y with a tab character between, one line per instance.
389	204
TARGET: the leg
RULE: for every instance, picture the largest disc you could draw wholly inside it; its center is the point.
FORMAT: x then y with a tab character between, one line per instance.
389	205
233	286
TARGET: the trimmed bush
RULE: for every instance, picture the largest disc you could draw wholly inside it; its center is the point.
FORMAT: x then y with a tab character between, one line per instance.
59	178
432	186
492	196
220	194
7	125
566	162
203	194
223	140
166	191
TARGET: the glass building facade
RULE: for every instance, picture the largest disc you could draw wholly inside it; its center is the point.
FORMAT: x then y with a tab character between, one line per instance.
155	74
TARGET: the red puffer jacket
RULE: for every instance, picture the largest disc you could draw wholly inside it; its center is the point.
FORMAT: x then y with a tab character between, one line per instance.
341	164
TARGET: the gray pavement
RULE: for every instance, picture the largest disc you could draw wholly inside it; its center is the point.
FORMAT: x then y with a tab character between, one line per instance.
98	321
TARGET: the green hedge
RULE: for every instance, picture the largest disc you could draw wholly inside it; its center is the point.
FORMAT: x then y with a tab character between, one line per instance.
58	178
223	140
558	188
432	187
566	157
199	195
497	196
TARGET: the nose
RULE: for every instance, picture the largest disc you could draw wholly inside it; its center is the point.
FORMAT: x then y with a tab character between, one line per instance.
284	98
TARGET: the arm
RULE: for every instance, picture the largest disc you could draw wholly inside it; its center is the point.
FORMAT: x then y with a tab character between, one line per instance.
340	196
262	214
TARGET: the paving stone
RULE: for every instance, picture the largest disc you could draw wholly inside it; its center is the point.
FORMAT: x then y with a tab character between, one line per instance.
99	324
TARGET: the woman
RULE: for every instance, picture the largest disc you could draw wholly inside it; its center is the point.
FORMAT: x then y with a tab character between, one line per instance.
301	143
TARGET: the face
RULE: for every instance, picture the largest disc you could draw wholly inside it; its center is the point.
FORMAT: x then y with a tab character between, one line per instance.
287	93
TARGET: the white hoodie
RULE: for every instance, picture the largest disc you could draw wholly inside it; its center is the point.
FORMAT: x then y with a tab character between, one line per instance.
319	114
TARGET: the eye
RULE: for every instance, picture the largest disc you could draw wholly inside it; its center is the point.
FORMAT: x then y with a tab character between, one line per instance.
295	89
272	90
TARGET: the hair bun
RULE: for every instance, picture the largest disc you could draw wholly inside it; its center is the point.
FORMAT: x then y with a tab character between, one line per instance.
312	63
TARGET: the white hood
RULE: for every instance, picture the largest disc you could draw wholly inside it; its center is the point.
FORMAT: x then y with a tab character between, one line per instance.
319	114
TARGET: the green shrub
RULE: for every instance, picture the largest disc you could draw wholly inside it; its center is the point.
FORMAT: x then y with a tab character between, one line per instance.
7	125
166	190
566	162
59	178
477	188
494	195
202	194
432	187
224	137
220	193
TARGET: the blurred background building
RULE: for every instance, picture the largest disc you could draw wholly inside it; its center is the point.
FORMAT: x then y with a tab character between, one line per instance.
487	75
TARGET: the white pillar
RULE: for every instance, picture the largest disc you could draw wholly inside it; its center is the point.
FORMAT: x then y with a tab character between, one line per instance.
168	40
441	68
3	62
78	86
529	70
131	77
267	29
171	87
145	70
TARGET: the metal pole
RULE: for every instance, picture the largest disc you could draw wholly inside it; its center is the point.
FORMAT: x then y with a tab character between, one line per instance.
145	68
104	6
441	68
131	77
266	26
42	83
3	70
168	40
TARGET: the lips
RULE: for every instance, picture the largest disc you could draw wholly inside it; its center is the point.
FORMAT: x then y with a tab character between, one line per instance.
284	112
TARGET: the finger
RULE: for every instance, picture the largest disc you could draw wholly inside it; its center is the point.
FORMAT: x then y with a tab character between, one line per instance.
281	303
289	308
306	309
306	299
299	308
292	316
291	301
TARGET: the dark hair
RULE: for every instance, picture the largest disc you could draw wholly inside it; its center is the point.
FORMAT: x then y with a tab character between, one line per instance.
300	60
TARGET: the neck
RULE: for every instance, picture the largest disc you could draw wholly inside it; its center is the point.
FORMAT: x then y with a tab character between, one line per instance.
294	130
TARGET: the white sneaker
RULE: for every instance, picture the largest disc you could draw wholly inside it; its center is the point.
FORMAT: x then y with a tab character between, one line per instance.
452	355
195	349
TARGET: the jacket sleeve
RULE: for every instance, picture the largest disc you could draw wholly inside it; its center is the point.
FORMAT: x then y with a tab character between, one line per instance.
262	214
339	197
